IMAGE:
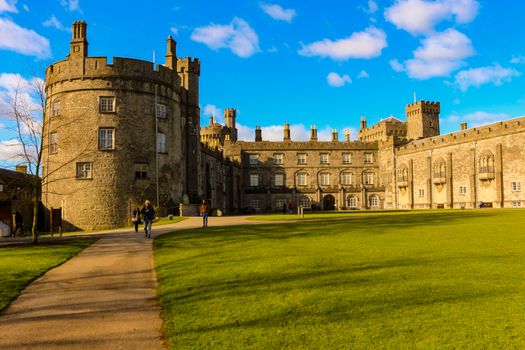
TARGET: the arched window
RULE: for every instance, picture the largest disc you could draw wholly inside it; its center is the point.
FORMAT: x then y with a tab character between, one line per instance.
351	201
324	179
402	174
301	178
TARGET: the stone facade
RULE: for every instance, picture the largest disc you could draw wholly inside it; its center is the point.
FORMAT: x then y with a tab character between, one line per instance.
119	131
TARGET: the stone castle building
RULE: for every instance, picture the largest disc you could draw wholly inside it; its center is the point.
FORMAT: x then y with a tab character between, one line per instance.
125	131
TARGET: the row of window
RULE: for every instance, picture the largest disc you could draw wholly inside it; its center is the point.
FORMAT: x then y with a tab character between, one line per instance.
515	187
106	141
106	104
85	170
351	202
302	179
324	158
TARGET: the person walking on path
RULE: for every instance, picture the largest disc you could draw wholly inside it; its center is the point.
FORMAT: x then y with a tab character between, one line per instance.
204	212
19	224
136	218
148	214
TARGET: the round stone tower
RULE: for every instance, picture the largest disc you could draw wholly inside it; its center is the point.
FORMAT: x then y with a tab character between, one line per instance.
114	136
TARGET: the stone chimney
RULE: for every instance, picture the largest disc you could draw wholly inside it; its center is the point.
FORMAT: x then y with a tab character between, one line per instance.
286	136
258	134
21	169
171	54
313	133
79	43
335	135
363	122
463	126
347	135
211	120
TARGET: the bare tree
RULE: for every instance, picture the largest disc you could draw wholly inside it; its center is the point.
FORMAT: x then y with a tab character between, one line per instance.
29	126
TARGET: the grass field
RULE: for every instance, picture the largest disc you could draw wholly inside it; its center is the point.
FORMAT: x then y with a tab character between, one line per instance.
20	265
447	279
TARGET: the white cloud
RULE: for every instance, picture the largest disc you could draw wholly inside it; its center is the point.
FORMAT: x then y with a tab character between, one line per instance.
298	132
10	150
439	55
422	16
363	75
212	110
9	83
517	60
278	13
54	23
372	7
25	7
477	118
23	41
366	44
71	5
237	36
495	74
8	6
174	30
337	80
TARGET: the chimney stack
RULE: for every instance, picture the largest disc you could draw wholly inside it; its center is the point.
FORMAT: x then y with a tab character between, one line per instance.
258	134
211	120
171	54
363	122
21	169
286	136
347	135
335	135
313	133
463	126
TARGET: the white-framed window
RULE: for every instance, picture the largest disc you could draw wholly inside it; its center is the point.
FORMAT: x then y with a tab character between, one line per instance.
516	204
324	158
368	178
351	201
347	158
305	202
278	158
56	108
324	179
346	178
141	170
301	179
278	180
421	193
106	104
160	110
106	138
254	159
255	203
516	186
462	190
373	201
84	170
369	158
161	143
301	158
53	143
254	180
280	203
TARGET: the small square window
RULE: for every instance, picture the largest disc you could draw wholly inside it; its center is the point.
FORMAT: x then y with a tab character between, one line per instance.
106	104
84	171
278	158
301	158
421	193
369	158
462	190
324	158
347	158
516	186
141	170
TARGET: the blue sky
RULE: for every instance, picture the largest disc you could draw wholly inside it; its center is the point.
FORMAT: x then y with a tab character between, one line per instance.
294	61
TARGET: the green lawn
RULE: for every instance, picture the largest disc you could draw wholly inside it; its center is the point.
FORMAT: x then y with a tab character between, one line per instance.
20	265
446	279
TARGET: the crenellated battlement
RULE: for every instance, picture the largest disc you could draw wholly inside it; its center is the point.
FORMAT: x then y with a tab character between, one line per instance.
423	107
506	127
98	67
189	64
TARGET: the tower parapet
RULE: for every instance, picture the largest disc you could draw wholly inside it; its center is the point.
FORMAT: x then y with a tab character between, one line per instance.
422	119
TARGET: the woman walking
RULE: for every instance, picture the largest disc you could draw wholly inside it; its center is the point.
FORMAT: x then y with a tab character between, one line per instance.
135	218
148	214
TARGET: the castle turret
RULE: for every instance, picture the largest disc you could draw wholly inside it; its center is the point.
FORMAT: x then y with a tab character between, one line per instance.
171	53
286	133
78	44
230	114
422	120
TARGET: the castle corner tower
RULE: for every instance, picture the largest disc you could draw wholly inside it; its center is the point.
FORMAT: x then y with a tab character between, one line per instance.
422	120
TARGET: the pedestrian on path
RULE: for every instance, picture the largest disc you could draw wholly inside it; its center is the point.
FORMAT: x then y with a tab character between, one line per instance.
148	214
204	212
19	224
135	218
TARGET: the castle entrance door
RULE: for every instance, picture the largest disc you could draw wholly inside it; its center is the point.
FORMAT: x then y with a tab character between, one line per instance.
328	202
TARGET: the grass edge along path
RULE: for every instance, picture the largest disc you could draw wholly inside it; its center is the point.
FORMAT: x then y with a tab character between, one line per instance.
421	280
20	265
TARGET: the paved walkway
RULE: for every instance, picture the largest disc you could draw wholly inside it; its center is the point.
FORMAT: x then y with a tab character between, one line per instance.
104	298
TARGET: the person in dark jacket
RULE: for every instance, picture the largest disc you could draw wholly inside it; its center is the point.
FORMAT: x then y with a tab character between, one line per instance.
135	218
148	214
19	224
